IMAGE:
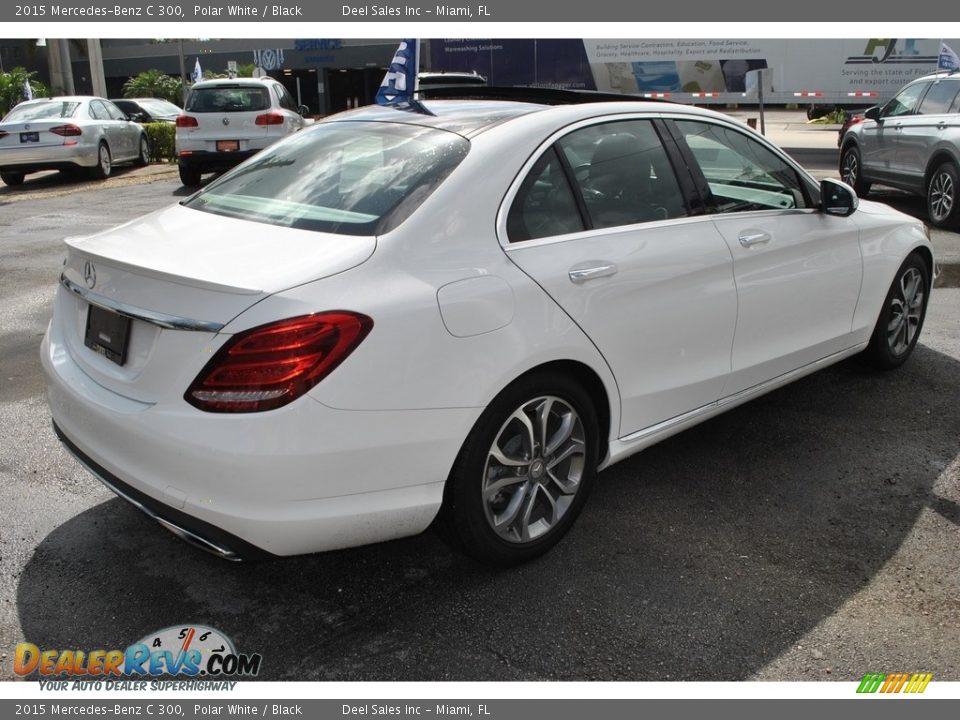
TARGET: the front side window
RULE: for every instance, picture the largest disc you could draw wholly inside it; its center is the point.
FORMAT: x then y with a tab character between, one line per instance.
623	173
114	112
743	175
98	111
905	103
351	178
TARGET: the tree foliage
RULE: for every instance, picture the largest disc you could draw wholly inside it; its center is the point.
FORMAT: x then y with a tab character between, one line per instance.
156	84
12	90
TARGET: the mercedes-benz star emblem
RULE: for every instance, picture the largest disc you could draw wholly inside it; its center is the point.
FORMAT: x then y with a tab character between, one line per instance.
226	121
89	274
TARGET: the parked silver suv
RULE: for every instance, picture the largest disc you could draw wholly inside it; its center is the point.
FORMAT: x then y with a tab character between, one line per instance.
911	143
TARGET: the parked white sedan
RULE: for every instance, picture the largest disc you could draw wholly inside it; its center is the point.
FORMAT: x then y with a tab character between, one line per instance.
68	133
393	318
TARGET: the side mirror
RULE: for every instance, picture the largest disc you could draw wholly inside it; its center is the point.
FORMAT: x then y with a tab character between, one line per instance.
872	113
303	110
837	198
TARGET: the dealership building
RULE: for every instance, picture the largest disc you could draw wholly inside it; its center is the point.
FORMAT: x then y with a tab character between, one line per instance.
325	74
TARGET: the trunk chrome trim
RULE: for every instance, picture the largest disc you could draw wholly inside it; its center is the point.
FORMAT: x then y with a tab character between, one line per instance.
170	322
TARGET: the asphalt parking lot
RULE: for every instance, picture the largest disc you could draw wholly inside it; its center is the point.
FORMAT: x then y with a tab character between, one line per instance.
813	534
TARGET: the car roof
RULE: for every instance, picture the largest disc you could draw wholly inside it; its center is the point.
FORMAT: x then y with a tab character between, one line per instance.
64	98
233	82
472	117
464	117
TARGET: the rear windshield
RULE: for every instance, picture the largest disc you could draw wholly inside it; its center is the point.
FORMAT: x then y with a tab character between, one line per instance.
228	98
42	111
352	178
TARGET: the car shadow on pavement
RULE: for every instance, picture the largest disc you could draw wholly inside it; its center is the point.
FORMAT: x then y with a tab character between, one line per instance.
705	557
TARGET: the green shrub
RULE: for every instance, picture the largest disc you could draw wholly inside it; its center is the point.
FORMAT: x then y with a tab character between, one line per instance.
154	83
161	136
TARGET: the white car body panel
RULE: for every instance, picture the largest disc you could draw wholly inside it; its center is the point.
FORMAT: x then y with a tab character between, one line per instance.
686	295
674	336
797	291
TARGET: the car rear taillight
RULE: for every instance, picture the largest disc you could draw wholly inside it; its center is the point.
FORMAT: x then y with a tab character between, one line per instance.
187	121
66	130
270	118
272	365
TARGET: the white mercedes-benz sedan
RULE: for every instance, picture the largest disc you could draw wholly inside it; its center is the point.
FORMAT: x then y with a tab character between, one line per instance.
396	318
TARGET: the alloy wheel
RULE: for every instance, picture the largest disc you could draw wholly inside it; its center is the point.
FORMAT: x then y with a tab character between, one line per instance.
104	160
533	469
906	311
850	169
942	196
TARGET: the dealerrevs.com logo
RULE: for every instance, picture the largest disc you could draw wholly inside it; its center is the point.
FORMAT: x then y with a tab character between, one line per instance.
191	651
909	683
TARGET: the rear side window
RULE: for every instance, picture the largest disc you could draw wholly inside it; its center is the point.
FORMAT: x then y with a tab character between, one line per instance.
620	175
42	111
351	178
623	174
228	98
939	99
545	205
284	98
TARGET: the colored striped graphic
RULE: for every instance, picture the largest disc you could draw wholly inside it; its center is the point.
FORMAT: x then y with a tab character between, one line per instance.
895	683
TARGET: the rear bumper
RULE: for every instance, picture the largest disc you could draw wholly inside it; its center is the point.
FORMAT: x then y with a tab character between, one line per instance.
214	161
304	478
59	157
192	530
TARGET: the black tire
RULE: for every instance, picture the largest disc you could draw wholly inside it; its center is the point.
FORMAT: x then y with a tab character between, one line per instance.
851	170
893	342
942	201
143	158
12	178
189	176
545	502
104	166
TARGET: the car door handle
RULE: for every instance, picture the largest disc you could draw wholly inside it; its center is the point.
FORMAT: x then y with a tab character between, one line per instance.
941	126
749	238
581	275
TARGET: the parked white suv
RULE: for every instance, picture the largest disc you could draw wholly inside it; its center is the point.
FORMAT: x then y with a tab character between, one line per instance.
226	121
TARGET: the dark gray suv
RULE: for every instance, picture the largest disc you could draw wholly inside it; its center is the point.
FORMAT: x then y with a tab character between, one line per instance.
911	143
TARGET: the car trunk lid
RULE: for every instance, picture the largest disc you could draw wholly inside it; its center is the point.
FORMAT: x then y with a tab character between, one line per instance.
181	275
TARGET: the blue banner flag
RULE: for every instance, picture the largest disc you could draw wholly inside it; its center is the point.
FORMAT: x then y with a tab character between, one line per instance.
197	75
400	82
948	59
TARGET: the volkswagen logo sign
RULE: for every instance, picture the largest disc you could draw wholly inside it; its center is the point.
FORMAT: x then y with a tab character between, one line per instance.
89	274
226	121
